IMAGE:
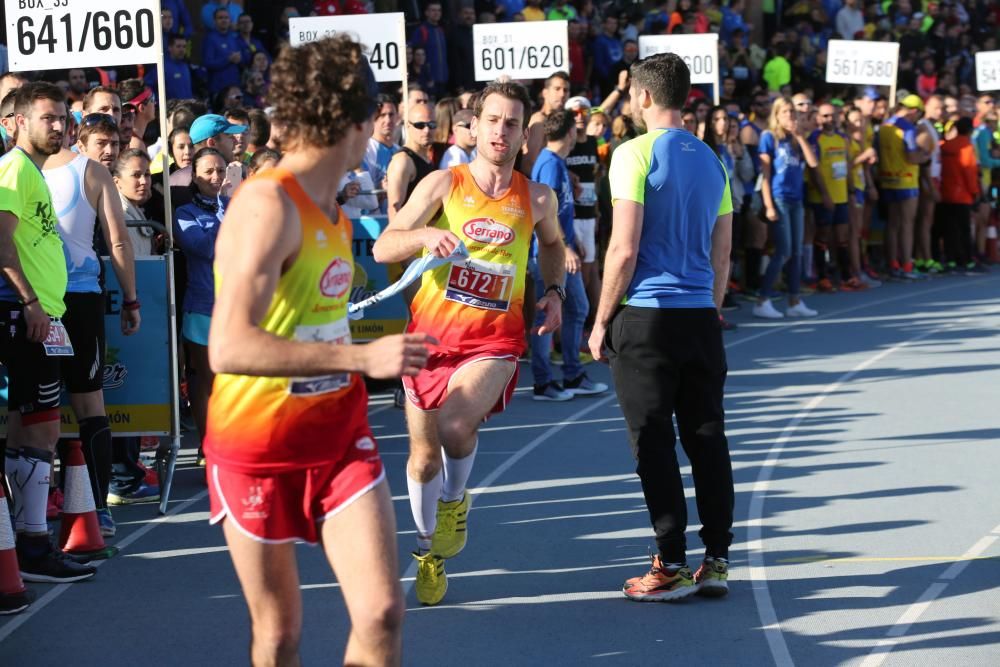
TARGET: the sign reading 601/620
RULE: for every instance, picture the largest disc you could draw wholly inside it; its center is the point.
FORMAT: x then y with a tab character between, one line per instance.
50	34
526	50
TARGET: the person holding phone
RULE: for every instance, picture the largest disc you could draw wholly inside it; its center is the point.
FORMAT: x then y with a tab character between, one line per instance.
210	131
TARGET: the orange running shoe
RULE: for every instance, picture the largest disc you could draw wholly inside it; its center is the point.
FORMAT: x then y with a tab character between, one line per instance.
852	285
825	285
661	584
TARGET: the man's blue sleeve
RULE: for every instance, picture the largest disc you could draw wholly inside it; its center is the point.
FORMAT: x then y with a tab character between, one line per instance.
549	173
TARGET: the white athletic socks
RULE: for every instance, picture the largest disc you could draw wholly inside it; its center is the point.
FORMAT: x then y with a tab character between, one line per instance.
29	480
423	505
456	475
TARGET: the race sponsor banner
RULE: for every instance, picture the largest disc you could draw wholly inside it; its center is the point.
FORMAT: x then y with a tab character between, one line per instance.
382	35
56	34
389	316
862	62
137	391
987	71
523	50
699	52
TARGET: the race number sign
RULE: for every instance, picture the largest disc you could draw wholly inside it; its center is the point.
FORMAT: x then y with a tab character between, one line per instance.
868	63
382	35
988	70
55	34
524	50
699	52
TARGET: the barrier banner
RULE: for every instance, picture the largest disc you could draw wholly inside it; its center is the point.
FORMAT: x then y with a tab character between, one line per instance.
387	317
137	391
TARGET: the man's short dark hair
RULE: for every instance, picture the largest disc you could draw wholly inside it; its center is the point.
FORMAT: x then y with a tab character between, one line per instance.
239	114
665	76
556	75
8	103
175	38
558	124
102	126
38	90
509	89
384	98
88	99
259	132
215	14
964	126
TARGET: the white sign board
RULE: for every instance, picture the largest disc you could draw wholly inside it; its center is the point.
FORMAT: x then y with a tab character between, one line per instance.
382	35
524	50
699	52
57	34
857	61
987	71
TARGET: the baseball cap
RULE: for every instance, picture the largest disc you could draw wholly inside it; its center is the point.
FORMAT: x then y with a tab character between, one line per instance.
870	93
574	103
913	102
211	125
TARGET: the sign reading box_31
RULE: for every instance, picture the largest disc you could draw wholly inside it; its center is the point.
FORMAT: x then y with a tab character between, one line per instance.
987	71
856	61
522	50
699	52
382	35
53	34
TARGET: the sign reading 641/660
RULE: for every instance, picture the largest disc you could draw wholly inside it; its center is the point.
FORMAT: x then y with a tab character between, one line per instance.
525	50
52	34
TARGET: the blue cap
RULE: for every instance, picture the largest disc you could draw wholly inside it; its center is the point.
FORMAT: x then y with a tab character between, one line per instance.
78	117
870	93
212	125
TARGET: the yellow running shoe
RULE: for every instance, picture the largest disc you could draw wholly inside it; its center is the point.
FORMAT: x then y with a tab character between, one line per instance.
451	534
432	582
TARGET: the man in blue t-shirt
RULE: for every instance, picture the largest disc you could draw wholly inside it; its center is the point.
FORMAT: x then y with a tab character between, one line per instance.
668	259
550	169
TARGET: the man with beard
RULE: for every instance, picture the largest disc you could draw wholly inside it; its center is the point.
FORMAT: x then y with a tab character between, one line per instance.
33	270
554	94
473	307
99	140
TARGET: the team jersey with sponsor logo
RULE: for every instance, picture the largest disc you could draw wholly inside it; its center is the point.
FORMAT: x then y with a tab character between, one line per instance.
897	137
833	170
274	424
476	302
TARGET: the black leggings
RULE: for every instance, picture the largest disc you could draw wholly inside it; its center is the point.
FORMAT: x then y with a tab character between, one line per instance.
953	223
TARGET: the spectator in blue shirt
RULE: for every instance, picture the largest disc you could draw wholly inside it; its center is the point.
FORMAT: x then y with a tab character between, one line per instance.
430	36
182	17
550	169
208	11
732	19
222	55
607	52
176	70
250	44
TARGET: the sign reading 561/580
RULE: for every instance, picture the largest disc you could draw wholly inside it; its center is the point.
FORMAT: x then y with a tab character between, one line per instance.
50	34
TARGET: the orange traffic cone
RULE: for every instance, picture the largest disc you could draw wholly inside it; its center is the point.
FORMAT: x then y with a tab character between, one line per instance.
80	533
13	595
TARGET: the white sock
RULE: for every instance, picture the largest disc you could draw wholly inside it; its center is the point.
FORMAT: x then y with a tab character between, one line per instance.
30	484
456	475
423	505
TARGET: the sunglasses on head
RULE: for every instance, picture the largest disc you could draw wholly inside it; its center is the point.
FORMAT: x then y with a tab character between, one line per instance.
465	125
424	125
95	118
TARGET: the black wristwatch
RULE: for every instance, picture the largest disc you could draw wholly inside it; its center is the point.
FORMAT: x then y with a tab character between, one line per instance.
558	289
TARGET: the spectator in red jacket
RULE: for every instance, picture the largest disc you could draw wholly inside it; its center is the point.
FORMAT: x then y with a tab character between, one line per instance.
959	193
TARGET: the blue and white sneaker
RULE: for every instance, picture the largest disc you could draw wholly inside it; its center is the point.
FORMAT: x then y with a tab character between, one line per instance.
144	494
107	523
552	391
584	386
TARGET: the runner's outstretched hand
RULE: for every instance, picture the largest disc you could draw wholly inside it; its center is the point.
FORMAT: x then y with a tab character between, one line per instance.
551	305
394	356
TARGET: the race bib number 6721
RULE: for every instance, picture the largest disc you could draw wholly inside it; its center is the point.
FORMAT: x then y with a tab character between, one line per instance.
480	284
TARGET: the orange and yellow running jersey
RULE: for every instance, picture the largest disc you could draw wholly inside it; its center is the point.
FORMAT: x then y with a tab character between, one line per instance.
897	137
476	303
276	424
831	150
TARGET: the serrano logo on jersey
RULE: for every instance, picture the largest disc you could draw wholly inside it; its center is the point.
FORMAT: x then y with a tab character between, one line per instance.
488	231
336	279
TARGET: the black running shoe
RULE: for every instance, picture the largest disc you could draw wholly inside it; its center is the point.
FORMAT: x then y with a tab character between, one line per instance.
14	603
729	302
53	568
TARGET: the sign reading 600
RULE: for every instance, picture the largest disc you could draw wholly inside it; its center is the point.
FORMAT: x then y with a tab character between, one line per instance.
51	34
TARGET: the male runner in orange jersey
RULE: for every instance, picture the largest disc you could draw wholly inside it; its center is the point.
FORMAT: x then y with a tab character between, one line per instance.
290	454
473	306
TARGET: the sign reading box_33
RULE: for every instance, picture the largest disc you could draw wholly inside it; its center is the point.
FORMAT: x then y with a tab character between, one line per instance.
857	61
699	52
987	71
53	34
382	35
522	50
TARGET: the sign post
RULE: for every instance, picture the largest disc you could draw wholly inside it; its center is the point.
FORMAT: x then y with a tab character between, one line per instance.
65	34
860	62
987	71
524	50
699	52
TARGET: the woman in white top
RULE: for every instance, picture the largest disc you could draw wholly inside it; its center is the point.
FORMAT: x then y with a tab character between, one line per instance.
134	182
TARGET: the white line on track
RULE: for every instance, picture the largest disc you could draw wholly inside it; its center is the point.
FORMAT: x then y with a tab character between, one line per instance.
59	589
755	548
509	463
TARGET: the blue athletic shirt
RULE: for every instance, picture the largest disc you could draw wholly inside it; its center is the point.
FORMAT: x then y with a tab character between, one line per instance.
787	175
551	170
683	188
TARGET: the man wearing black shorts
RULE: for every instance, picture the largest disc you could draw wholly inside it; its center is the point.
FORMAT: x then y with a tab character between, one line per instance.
32	337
